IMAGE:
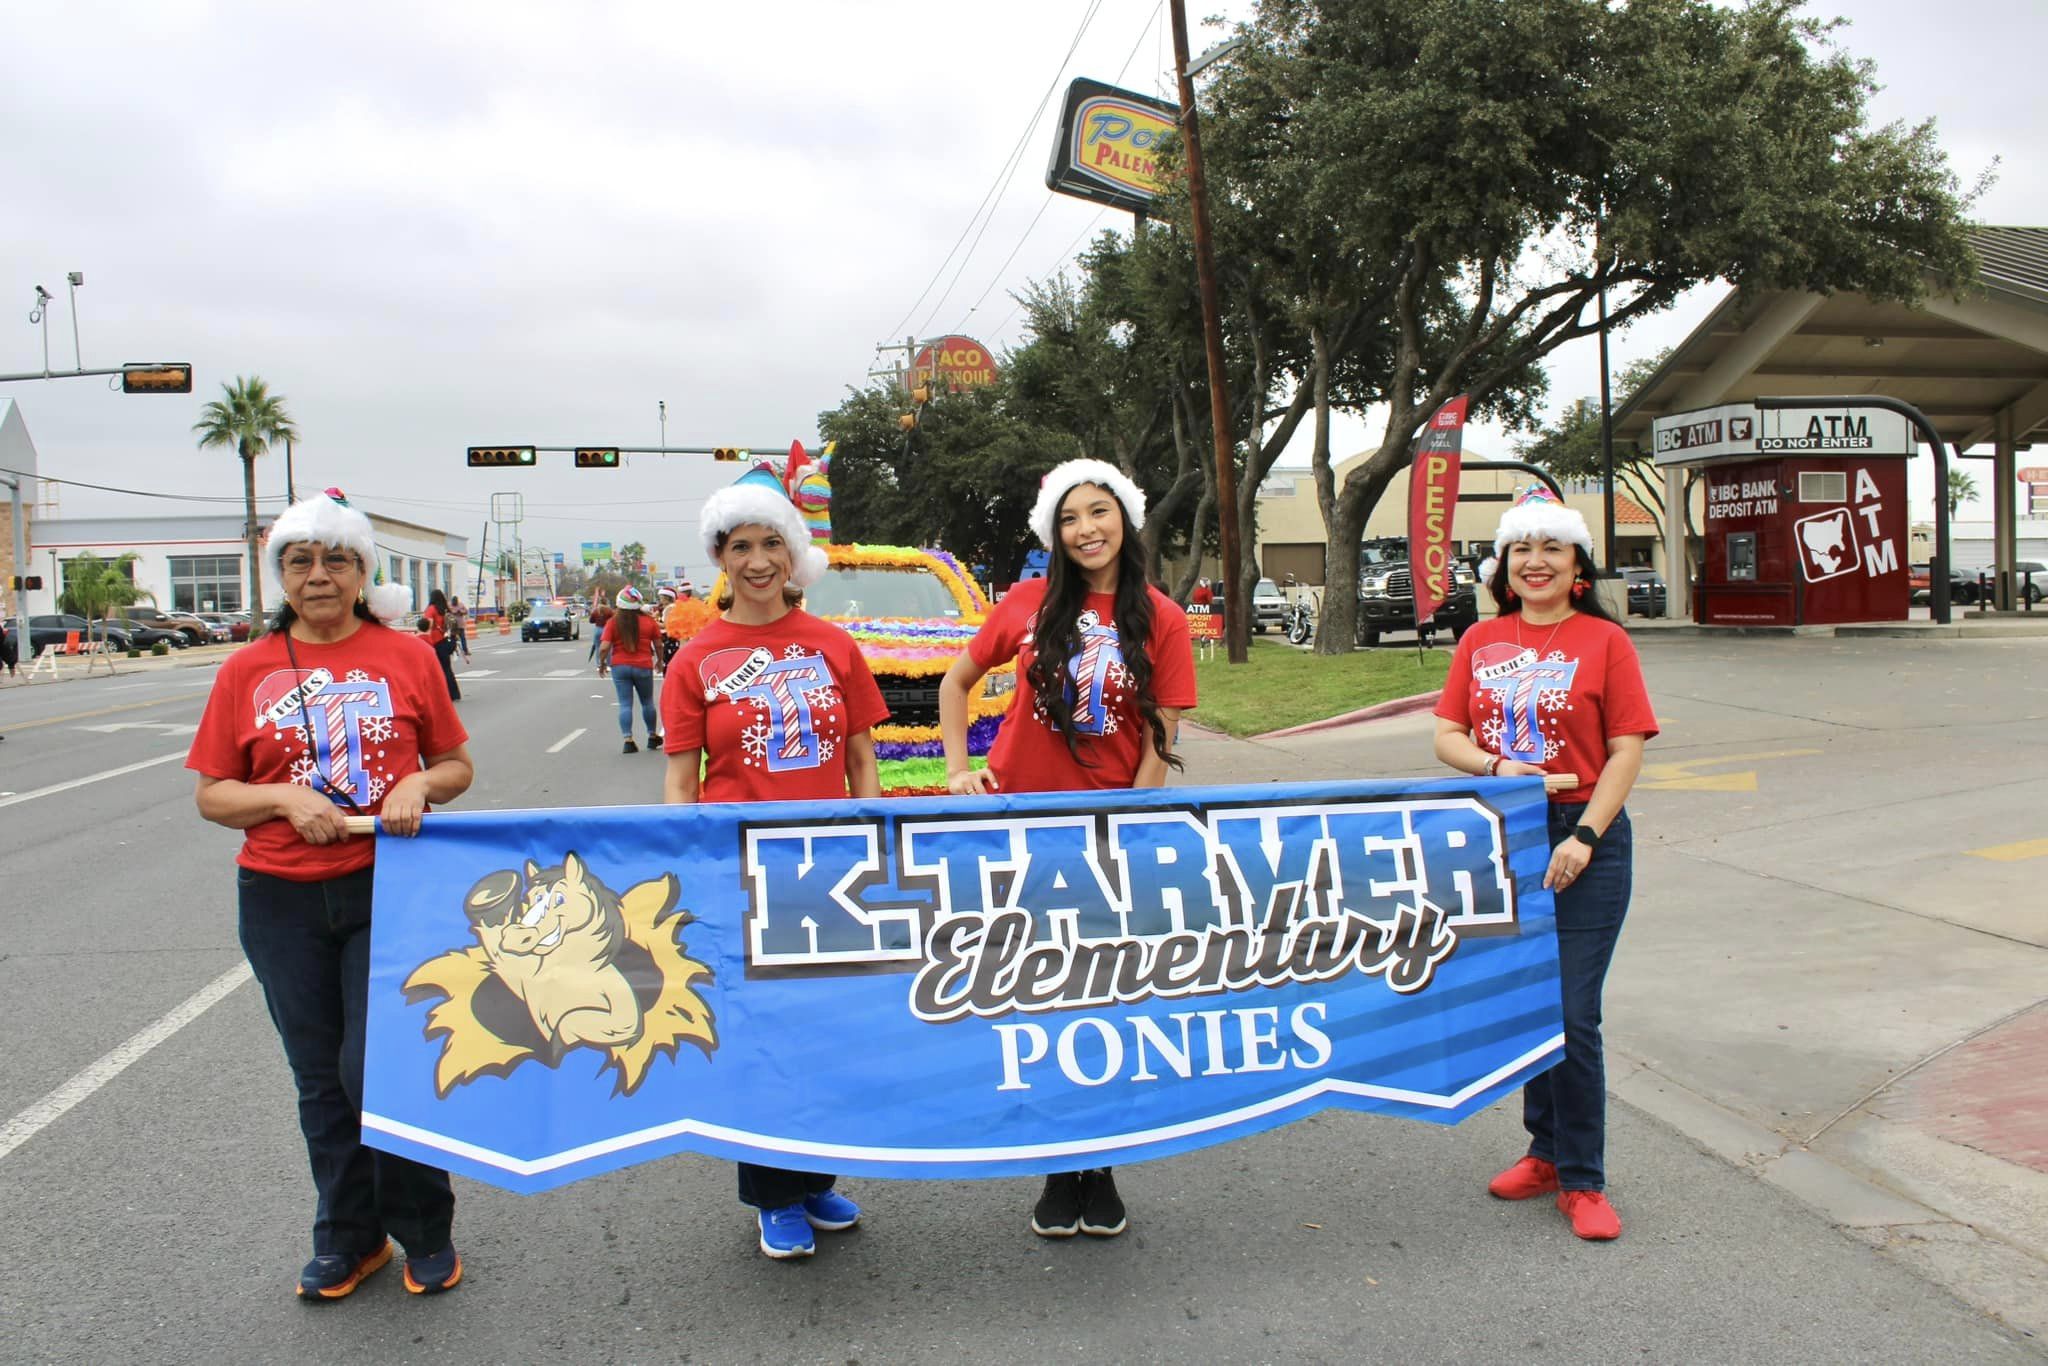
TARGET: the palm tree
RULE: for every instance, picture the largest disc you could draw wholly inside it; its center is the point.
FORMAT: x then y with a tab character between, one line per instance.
1962	488
94	587
249	418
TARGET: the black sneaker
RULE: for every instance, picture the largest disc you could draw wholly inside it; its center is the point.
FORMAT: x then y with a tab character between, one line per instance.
335	1275
1102	1209
1058	1212
630	748
654	743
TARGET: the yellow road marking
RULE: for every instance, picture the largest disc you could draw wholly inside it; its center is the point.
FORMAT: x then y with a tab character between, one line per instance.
2012	853
102	711
1683	775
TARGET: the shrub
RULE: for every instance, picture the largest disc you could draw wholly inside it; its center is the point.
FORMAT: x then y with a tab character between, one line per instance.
162	647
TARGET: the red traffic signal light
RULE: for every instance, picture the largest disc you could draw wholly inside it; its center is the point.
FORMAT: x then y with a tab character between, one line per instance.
500	455
597	457
31	583
159	378
728	453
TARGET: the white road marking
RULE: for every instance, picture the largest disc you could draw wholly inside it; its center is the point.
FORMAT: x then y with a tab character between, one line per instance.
478	673
54	788
565	673
161	727
567	740
52	1107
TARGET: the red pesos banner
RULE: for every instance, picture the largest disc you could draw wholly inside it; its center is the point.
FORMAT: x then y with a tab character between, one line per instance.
1432	502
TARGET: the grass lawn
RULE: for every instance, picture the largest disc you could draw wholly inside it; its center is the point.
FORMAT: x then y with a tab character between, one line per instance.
1281	686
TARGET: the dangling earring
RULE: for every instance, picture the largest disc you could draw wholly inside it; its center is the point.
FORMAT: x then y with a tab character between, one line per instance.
1578	589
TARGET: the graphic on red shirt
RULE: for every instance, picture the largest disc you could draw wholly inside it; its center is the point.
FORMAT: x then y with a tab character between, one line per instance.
347	719
1099	687
771	707
1554	703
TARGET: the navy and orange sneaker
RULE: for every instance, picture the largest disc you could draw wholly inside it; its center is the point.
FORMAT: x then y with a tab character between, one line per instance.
335	1275
432	1275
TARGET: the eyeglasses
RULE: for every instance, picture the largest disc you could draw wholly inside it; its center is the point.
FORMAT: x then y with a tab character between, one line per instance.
335	562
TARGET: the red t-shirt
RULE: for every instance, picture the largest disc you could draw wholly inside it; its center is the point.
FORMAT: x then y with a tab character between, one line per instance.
1549	695
437	625
1030	755
642	657
788	696
371	704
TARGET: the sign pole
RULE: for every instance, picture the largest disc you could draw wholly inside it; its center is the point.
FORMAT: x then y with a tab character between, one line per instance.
1237	624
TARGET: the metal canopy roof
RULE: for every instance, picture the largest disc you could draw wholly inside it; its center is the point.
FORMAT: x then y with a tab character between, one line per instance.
1960	361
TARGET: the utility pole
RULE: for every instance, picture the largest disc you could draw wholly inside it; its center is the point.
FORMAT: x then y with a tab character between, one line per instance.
1238	598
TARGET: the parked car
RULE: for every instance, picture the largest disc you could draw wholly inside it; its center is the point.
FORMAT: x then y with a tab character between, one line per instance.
1919	582
2031	579
1386	595
52	630
1645	592
549	622
222	628
142	635
1269	607
188	626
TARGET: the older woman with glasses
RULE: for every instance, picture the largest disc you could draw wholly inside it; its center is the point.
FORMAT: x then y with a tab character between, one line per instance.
332	713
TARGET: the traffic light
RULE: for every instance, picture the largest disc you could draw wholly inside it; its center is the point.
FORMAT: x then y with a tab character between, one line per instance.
488	456
728	453
164	377
29	584
597	457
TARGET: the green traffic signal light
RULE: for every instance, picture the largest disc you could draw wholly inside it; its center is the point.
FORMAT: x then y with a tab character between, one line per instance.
597	457
491	456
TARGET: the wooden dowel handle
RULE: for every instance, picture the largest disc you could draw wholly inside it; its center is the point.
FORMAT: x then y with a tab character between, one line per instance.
360	825
1560	782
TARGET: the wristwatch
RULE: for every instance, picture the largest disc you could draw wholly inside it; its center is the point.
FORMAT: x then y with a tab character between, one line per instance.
1586	835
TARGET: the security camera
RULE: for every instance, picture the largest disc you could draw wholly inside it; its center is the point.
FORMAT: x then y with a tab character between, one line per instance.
77	278
42	295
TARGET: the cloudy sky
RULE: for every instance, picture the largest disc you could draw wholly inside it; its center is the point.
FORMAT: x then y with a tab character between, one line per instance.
431	226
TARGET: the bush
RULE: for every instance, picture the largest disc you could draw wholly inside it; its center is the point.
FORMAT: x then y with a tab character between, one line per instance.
517	611
134	653
162	647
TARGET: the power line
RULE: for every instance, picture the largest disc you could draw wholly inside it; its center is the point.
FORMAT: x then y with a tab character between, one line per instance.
145	493
1003	175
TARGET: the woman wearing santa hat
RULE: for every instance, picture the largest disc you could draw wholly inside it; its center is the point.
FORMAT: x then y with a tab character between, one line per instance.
731	738
1552	686
1104	669
331	714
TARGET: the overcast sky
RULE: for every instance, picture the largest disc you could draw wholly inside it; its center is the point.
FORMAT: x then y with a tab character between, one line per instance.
431	226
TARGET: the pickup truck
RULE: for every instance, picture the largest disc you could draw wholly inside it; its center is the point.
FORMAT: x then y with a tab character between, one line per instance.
1386	595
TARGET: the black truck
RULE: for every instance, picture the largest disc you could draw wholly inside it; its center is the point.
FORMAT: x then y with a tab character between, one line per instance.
1386	593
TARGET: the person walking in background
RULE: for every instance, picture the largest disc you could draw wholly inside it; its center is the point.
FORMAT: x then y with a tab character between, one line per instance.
436	617
271	766
600	617
458	627
626	651
1586	713
709	704
1104	669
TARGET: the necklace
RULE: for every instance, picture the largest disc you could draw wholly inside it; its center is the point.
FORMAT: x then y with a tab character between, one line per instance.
1520	643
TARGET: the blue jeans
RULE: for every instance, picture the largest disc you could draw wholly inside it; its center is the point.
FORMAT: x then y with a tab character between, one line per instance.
1565	1109
309	943
775	1188
628	679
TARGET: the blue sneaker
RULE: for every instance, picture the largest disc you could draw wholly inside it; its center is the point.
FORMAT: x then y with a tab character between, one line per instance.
335	1275
786	1233
432	1275
831	1211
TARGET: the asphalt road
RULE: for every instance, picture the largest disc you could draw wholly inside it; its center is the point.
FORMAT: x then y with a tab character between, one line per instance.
163	1215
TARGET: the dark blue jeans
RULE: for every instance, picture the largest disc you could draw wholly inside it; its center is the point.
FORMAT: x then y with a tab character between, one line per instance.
774	1188
1565	1109
309	943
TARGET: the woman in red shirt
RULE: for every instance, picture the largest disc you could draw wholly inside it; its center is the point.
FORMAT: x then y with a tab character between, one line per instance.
626	651
1104	670
768	703
1552	685
440	636
328	714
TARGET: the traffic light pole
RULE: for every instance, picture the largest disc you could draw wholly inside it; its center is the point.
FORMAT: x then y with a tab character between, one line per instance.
17	485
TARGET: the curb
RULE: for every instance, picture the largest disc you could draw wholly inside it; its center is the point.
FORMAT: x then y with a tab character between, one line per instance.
1379	711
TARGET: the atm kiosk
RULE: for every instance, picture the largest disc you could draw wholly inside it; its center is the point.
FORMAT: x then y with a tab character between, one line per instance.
1805	518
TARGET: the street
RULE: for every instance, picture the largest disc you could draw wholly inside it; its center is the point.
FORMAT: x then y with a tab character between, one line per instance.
1816	915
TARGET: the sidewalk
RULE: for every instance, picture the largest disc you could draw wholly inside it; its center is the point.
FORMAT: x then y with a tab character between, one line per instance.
1835	972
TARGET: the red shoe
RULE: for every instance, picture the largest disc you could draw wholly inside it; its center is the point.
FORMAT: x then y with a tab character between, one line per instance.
1527	1179
1592	1217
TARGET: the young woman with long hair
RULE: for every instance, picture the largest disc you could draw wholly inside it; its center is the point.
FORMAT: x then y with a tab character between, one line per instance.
626	650
1105	668
728	741
1552	686
439	635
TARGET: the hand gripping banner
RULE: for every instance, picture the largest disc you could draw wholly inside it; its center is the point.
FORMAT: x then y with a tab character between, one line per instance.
936	987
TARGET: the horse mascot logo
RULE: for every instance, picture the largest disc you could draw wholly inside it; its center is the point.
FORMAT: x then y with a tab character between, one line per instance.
563	962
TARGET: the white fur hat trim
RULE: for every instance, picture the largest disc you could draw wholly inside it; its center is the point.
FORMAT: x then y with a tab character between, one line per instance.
1063	480
389	602
739	505
1541	519
320	520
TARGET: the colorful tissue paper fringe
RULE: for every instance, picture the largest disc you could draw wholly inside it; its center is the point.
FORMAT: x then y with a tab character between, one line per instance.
916	777
923	742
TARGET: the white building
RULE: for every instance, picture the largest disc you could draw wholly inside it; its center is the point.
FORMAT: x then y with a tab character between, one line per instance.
197	563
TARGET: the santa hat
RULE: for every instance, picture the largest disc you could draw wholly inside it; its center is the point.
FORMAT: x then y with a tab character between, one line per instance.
1065	478
1538	516
760	498
326	519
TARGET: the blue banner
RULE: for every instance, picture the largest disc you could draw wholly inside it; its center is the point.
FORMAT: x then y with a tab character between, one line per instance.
937	987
